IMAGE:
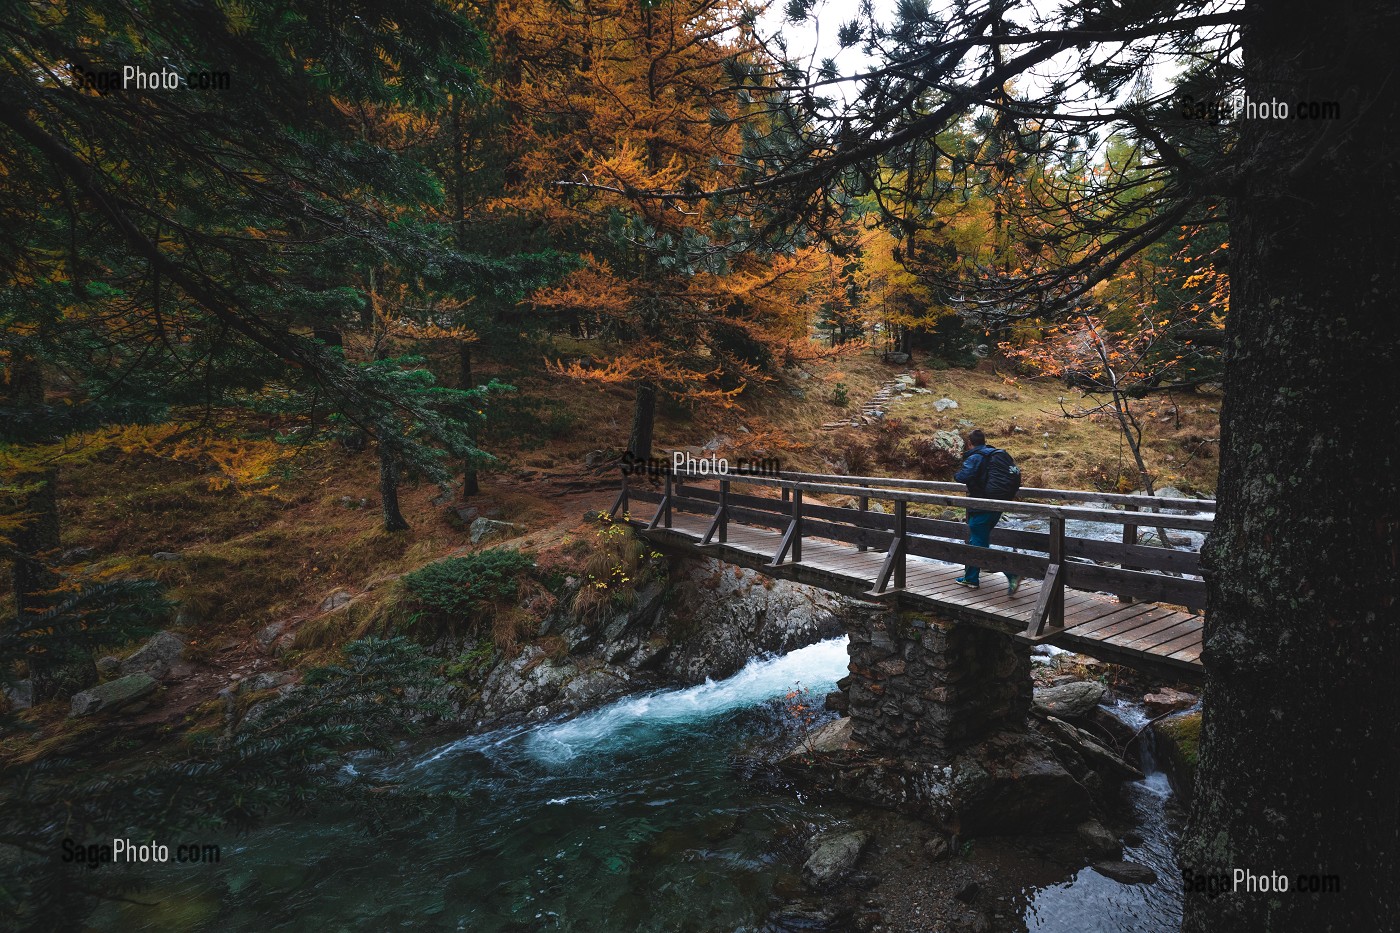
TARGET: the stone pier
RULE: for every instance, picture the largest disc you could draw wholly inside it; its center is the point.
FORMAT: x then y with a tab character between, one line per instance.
925	689
938	726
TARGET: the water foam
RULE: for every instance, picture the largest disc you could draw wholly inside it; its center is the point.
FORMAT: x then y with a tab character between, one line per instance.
815	668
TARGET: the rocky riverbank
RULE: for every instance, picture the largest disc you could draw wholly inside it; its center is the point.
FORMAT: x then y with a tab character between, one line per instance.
899	864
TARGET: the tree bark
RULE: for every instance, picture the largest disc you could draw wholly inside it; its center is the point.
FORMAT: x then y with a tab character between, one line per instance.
643	420
35	546
470	485
389	490
1301	716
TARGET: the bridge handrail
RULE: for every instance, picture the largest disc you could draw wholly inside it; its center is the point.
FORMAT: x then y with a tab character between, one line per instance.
1104	516
1068	495
904	536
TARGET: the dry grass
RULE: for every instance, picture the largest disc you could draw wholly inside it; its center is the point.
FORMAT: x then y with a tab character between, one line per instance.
251	557
1024	416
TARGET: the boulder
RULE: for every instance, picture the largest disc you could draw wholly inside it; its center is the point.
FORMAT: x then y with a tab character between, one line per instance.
1126	872
1097	837
1098	757
895	357
1010	782
19	695
719	616
832	855
1177	738
1069	701
1167	700
944	404
592	687
335	601
485	529
948	440
76	554
520	685
109	666
156	657
267	680
938	848
165	555
112	695
834	736
271	632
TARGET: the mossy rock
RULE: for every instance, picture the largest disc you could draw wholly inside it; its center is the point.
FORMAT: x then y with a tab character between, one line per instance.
1178	741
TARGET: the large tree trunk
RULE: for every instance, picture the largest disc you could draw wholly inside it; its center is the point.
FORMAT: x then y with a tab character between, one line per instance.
35	548
1302	635
470	485
643	420
389	471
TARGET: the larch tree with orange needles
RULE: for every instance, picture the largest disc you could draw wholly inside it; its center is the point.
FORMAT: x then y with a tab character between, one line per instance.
610	98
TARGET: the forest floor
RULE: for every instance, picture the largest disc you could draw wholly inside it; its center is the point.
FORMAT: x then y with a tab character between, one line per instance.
237	560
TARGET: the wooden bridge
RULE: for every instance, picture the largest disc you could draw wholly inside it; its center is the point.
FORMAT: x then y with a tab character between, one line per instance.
1124	600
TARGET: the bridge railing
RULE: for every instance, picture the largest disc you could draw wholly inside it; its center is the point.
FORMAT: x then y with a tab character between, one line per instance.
1060	559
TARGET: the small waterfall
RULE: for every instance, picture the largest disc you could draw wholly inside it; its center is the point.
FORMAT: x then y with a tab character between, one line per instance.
815	668
1092	903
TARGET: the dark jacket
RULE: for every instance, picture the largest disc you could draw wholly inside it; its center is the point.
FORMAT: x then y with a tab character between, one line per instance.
972	462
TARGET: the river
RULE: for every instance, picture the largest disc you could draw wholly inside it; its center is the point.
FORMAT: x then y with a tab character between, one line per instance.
638	816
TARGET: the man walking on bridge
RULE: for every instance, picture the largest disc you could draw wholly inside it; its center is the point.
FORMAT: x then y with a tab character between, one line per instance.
989	473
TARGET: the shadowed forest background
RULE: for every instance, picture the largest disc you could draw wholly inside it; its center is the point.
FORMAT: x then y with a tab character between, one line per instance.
271	351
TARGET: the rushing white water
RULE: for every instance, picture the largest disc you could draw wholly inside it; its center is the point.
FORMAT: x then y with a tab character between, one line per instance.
814	669
638	720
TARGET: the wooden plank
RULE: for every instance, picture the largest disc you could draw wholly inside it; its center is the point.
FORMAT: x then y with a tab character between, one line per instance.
1106	516
1141	556
1124	625
876	521
867	536
1182	626
1028	565
1067	495
1138	584
1191	653
1116	613
1147	632
1182	643
744	516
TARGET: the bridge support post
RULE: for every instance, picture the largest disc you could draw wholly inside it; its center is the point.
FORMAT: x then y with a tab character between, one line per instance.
926	688
1130	538
864	506
792	537
619	506
1050	606
663	508
893	567
720	525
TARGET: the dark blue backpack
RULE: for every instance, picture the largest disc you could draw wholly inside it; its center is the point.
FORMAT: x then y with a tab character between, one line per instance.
998	476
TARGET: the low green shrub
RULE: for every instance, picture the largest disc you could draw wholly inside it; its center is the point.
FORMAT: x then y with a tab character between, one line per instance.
463	586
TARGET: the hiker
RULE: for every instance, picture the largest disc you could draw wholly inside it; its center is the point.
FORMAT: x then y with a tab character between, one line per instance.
989	473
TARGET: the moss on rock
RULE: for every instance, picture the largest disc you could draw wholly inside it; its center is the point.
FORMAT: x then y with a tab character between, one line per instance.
1178	740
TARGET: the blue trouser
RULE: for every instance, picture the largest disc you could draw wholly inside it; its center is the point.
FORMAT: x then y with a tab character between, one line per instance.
979	534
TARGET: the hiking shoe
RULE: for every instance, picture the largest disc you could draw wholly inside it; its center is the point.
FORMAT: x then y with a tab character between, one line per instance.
1013	583
964	581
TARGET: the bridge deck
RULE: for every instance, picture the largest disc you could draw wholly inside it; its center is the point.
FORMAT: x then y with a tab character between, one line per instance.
1140	634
